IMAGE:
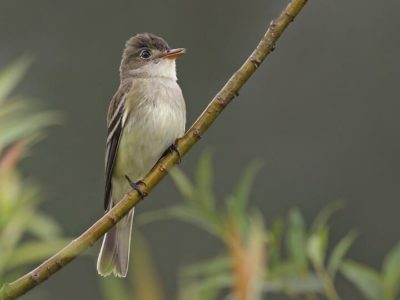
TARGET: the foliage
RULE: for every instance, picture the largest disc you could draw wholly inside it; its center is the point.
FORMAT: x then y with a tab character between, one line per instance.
288	258
374	284
26	235
145	283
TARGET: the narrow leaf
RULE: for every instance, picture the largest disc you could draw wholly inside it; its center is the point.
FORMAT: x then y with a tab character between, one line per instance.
183	183
211	266
32	252
114	288
184	213
274	240
340	251
391	270
25	126
240	197
317	246
296	240
204	180
44	227
367	280
146	282
324	215
12	75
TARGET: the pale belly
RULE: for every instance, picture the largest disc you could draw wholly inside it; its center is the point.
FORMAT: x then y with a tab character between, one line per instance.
143	141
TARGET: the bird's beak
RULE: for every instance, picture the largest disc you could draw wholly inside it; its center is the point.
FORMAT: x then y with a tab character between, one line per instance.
174	53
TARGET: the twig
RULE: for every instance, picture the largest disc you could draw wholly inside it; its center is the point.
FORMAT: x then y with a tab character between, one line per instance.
327	283
221	100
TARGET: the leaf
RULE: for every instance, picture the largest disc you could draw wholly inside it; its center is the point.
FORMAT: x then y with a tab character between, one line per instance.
183	184
16	226
207	289
391	270
367	280
206	268
114	288
324	215
157	215
240	197
146	283
204	180
199	197
14	106
25	126
296	240
340	251
44	227
274	240
12	75
317	246
212	283
31	252
256	256
294	285
184	213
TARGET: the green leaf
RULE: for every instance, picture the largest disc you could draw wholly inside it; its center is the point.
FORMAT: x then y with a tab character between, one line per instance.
274	240
296	240
204	180
145	280
194	289
317	246
391	271
44	227
157	215
340	251
114	288
324	215
184	213
15	106
294	285
240	197
213	283
25	126
200	197
12	75
367	280
32	252
183	184
211	266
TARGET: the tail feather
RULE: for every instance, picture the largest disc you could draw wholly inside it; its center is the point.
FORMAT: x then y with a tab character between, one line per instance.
114	253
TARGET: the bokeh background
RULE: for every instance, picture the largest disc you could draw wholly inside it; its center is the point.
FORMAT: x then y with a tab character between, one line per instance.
321	113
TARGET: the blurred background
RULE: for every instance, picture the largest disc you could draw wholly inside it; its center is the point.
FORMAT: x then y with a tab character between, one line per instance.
321	114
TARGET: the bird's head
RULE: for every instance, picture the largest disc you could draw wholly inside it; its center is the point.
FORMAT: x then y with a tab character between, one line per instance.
147	55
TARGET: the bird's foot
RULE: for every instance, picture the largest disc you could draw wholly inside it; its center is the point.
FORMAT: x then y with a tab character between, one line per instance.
136	186
174	148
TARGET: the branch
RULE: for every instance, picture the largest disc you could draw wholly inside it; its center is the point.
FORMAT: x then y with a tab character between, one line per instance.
221	100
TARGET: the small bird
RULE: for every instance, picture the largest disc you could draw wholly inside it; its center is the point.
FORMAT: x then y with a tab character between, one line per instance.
145	117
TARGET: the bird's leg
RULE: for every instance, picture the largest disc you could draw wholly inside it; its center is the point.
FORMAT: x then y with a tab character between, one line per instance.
135	186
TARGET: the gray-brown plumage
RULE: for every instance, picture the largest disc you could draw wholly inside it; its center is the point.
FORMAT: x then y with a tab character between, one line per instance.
146	115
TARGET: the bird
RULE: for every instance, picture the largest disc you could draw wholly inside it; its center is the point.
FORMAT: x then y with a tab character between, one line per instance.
146	116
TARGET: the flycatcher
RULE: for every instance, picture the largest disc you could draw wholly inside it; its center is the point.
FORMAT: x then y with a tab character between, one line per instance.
146	115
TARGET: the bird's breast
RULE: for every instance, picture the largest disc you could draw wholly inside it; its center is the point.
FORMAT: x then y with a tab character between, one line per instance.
153	122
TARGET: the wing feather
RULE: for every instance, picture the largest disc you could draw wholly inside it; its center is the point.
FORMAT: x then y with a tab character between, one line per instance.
114	131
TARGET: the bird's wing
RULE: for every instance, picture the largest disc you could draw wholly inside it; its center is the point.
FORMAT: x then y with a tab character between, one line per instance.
114	130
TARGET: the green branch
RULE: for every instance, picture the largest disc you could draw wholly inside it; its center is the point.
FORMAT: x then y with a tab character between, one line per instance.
221	100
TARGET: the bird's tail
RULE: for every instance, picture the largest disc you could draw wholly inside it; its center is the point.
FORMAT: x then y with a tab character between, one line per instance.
114	253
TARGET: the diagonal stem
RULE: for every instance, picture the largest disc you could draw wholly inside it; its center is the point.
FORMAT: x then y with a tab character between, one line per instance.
219	102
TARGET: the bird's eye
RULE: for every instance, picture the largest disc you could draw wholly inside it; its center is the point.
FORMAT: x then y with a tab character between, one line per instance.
145	53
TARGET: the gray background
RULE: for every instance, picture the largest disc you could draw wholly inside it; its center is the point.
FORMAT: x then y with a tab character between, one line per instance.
322	113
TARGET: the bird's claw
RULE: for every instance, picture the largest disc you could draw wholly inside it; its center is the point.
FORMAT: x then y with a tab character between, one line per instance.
174	148
136	186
